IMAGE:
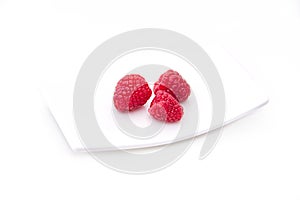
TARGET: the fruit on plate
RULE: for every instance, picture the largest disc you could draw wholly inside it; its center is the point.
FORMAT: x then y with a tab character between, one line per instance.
165	107
173	83
131	92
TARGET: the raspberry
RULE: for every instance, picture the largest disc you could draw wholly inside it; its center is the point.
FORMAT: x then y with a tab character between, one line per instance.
173	83
165	107
131	92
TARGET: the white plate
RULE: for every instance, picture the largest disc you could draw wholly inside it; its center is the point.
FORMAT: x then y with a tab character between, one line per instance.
242	95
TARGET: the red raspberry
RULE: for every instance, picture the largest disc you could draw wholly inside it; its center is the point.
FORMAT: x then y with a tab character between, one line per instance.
131	92
165	107
173	83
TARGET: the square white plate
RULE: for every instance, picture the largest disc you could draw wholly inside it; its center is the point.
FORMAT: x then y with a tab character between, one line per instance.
242	95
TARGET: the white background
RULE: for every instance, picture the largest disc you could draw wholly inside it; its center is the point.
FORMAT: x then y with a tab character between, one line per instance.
256	158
